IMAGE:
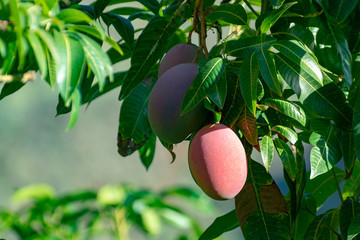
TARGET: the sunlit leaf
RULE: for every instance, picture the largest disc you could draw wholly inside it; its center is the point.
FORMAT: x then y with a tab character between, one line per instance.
38	52
147	151
75	108
267	151
354	227
272	18
219	91
247	125
351	184
268	71
286	132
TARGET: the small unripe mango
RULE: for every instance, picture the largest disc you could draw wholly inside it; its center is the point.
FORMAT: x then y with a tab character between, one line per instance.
178	54
165	102
217	161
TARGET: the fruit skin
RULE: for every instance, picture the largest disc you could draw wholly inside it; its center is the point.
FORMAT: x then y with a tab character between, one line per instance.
165	102
178	54
217	161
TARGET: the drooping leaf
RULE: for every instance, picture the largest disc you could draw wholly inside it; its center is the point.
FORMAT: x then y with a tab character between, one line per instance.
322	226
304	219
10	88
230	13
39	52
249	72
303	75
133	119
147	151
356	124
326	151
341	12
267	151
149	47
75	108
349	210
268	71
288	133
247	125
288	108
244	47
261	208
354	227
348	150
287	157
219	91
220	225
122	25
351	184
234	101
100	6
272	18
324	185
209	73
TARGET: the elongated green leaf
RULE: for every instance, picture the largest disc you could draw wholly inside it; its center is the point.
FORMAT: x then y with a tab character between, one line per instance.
38	52
49	42
342	47
338	14
326	151
303	75
272	18
261	208
286	132
288	108
122	25
147	151
304	218
268	71
99	6
75	107
97	59
349	210
267	151
324	185
21	44
324	226
246	46
133	119
247	125
10	88
354	227
220	225
126	11
234	101
149	47
209	73
351	184
287	157
249	72
231	13
51	64
219	91
69	67
348	150
356	124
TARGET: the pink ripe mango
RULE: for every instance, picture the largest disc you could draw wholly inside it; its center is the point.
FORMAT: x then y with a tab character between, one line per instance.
165	102
217	161
178	54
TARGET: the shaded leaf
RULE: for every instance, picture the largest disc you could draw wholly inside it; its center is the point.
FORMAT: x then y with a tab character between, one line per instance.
268	71
351	184
321	226
219	91
249	72
267	151
348	150
122	25
220	225
356	124
247	125
349	210
324	185
354	227
230	13
341	12
147	151
10	88
287	157
209	73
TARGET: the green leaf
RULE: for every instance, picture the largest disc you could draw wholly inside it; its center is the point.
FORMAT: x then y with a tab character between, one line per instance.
126	11
49	42
356	124
339	13
243	47
348	150
288	108
272	18
149	47
288	133
75	107
230	13
354	227
322	226
234	101
349	210
267	151
209	73
38	52
342	47
33	192
304	218
324	185
268	71
287	157
147	151
10	88
276	3
133	119
303	75
219	91
220	225
69	66
351	184
247	125
249	72
122	25
100	6
97	59
326	151
261	208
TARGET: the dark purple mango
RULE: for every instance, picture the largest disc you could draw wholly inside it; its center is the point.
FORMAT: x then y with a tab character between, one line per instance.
165	105
180	53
